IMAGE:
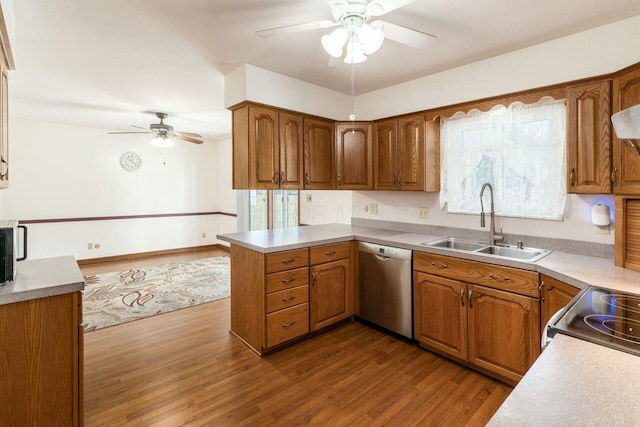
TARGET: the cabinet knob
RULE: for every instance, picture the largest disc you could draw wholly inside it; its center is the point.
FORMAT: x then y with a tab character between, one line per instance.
613	176
470	301
276	177
306	178
282	177
339	180
462	297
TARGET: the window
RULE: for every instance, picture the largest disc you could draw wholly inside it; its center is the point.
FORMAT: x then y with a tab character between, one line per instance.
520	150
272	209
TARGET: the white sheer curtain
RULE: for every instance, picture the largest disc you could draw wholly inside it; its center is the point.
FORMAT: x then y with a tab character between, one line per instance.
520	150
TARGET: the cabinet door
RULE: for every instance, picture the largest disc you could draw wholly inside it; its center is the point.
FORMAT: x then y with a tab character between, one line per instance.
4	129
411	133
440	314
355	156
626	165
39	362
319	157
329	294
589	138
385	157
554	295
264	148
503	331
291	158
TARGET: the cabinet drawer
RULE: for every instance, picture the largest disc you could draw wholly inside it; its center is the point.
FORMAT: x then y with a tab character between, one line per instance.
284	325
287	298
508	279
328	253
286	260
287	279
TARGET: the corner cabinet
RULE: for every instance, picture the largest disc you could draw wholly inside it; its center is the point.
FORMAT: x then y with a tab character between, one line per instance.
589	138
354	151
626	165
400	146
319	154
484	315
554	295
267	148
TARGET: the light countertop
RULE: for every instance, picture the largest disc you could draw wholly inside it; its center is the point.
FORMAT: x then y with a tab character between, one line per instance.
40	278
575	383
577	270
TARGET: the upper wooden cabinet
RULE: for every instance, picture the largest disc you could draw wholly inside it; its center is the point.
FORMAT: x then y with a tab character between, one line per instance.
400	146
589	138
319	154
626	165
267	148
354	150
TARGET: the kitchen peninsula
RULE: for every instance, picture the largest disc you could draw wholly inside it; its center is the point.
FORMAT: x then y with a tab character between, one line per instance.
573	357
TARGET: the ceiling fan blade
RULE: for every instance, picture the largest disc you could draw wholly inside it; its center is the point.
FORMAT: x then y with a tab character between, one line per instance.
404	35
287	29
189	134
187	138
380	7
139	127
115	133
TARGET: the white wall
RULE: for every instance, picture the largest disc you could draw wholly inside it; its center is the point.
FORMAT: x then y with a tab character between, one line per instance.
62	171
325	207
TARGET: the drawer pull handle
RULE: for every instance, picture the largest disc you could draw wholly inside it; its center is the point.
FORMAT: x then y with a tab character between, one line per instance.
494	276
330	253
289	280
287	299
438	265
470	300
288	325
462	297
288	260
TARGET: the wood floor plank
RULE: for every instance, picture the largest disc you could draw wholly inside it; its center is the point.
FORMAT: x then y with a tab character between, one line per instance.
185	368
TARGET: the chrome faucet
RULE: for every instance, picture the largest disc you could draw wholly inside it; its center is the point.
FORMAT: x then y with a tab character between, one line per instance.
493	237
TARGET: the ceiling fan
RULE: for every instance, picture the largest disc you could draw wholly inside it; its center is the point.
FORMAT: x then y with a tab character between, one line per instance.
360	36
162	133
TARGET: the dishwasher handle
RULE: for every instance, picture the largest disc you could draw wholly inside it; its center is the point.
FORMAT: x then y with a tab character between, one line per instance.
382	257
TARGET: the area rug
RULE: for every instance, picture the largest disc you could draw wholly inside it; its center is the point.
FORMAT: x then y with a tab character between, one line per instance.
113	298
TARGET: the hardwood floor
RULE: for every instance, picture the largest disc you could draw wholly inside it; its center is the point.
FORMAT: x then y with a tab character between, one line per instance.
184	368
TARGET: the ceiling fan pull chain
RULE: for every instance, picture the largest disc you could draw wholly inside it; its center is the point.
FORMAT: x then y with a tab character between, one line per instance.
352	116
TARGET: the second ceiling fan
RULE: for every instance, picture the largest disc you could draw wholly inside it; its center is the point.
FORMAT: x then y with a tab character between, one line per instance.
355	31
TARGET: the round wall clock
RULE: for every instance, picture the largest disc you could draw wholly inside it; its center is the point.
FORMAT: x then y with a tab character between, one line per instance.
130	161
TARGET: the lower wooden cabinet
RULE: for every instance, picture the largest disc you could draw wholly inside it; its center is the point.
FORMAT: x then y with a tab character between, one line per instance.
488	328
554	295
331	284
278	297
41	362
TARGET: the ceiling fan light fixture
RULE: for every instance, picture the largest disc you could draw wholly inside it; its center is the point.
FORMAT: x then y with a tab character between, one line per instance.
333	43
161	141
371	37
354	52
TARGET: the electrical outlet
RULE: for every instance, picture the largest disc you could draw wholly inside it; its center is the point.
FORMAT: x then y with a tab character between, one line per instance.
374	208
309	197
602	229
204	235
366	208
423	212
89	246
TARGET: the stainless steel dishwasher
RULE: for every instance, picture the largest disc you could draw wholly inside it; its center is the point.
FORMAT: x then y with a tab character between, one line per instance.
385	287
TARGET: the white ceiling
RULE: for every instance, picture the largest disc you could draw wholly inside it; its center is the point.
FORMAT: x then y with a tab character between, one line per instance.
108	63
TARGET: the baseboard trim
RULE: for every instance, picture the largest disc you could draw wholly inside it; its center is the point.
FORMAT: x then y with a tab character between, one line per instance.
127	257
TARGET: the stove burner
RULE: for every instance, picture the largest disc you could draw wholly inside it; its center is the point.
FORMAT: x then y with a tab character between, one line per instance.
622	301
622	328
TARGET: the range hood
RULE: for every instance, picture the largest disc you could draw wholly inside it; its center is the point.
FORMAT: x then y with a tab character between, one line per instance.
626	123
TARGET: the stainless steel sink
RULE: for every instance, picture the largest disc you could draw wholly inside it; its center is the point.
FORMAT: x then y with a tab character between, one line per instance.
453	243
498	250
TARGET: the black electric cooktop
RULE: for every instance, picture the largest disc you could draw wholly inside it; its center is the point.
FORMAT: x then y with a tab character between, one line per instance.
602	316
